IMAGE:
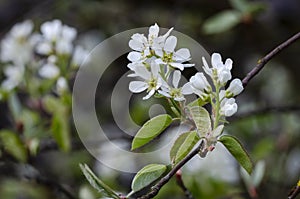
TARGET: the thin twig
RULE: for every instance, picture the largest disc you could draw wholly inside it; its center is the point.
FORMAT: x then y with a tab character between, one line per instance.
262	62
155	189
180	183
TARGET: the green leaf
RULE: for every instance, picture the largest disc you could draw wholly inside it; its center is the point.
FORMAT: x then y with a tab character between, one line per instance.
13	145
98	184
150	130
15	106
60	121
201	118
183	145
61	132
237	150
147	176
222	22
197	102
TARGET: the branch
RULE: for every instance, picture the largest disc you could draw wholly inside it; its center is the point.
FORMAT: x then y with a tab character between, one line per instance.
155	189
180	183
262	62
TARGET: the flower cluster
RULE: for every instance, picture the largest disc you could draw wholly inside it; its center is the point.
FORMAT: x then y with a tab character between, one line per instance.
220	74
44	55
158	66
155	61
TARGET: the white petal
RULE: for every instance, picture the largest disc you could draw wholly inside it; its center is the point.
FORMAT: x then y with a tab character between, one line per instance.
187	89
149	94
177	65
206	68
183	54
154	68
137	86
188	65
216	60
142	72
170	44
51	29
49	71
136	45
153	31
176	78
134	56
235	87
44	48
228	64
68	33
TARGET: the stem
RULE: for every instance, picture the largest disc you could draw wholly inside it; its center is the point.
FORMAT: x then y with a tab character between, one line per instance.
262	62
180	183
155	189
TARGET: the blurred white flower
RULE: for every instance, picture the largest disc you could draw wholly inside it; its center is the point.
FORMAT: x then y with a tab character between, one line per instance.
56	37
198	84
168	55
173	92
49	70
14	76
17	46
80	56
228	107
152	80
223	71
235	88
61	85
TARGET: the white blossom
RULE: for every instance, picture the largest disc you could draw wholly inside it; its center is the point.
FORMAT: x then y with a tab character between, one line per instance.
80	56
142	45
168	55
56	37
223	71
152	80
235	88
14	75
228	107
198	84
49	70
173	92
61	85
17	46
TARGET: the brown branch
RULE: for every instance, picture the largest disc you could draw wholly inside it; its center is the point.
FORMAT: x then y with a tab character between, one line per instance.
155	189
180	183
262	62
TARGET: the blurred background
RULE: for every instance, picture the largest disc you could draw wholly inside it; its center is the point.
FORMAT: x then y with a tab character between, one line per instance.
267	122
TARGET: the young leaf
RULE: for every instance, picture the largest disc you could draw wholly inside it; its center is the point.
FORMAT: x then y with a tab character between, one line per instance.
183	145
13	145
147	176
97	183
237	150
201	119
150	130
222	22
